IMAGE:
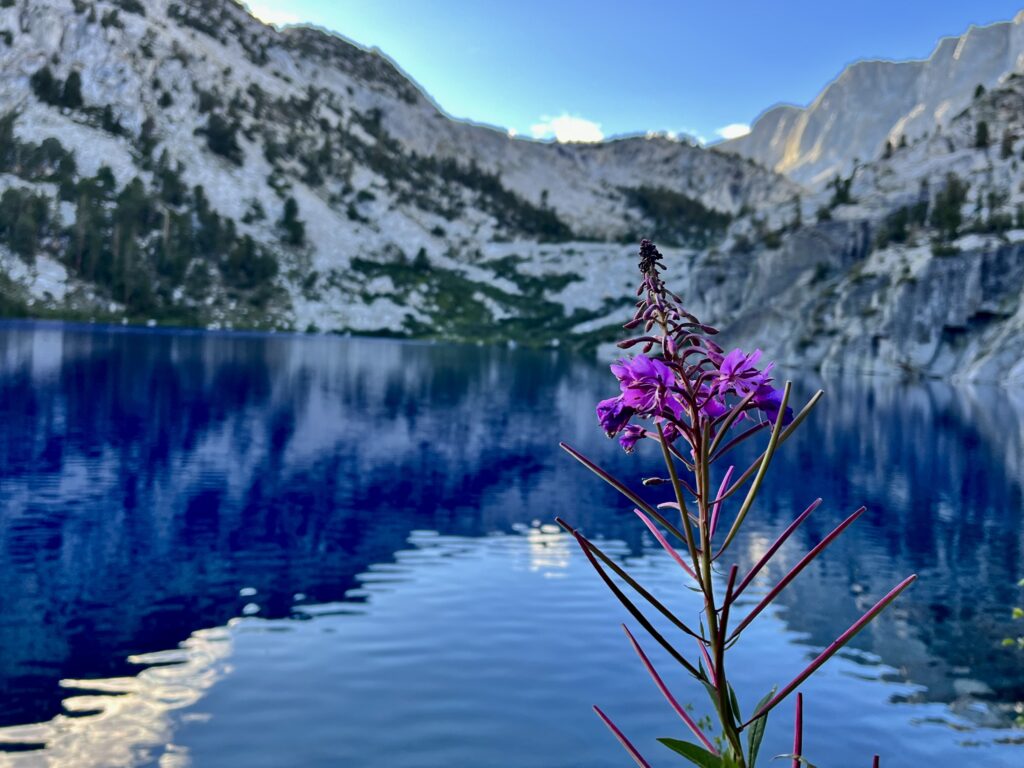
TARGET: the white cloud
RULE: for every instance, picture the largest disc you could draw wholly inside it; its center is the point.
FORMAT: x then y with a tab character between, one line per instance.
566	128
733	130
273	12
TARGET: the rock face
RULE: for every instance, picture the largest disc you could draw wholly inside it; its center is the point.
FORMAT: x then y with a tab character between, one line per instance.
912	265
177	161
825	300
872	102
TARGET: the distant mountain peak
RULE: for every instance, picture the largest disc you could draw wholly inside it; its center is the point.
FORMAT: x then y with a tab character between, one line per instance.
875	100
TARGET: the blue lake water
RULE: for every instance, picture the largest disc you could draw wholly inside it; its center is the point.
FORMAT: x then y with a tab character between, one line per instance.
231	550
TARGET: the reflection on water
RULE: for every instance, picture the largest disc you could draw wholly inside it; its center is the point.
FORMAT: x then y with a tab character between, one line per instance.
125	721
155	485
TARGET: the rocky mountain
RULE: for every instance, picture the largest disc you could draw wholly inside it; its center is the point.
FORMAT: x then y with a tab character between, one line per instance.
874	102
913	264
179	162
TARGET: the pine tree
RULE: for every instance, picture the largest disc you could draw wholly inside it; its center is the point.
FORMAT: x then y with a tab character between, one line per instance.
46	87
24	221
1006	146
947	215
293	228
981	139
71	95
222	138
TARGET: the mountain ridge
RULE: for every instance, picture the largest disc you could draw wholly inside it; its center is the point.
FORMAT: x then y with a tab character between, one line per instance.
798	140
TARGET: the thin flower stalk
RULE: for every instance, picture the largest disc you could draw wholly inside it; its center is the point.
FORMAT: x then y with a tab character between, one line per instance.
798	731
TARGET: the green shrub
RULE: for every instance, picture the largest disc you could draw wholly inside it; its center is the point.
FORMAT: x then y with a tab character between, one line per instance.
222	138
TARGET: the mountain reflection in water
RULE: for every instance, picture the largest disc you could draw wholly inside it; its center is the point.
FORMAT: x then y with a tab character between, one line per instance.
155	486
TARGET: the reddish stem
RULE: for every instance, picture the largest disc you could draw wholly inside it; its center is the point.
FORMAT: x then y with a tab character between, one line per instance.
798	731
626	743
665	545
775	547
717	506
829	652
804	562
707	661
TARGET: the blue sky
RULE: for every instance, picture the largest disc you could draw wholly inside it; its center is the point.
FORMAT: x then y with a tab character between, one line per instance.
589	69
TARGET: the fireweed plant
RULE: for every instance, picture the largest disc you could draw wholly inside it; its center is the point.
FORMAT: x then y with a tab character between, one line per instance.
696	402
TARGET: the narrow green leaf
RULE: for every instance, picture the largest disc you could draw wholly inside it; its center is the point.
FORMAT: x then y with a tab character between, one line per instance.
756	732
693	753
735	705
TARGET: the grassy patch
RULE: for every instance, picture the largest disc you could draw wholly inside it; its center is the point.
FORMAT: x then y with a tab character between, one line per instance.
458	308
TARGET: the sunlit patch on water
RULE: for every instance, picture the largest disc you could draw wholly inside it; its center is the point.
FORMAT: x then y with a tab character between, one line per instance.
125	721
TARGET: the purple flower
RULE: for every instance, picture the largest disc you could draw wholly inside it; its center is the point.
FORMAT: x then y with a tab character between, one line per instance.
710	404
631	436
613	415
671	432
673	410
769	399
738	373
645	384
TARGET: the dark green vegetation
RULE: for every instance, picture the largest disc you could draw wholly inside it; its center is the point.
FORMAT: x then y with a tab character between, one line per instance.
447	187
458	307
222	138
159	251
672	218
50	90
946	216
897	225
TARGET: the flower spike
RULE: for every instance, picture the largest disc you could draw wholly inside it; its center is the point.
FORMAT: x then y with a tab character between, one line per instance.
682	390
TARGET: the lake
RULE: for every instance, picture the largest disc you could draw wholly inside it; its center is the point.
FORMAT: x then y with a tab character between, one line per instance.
270	550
